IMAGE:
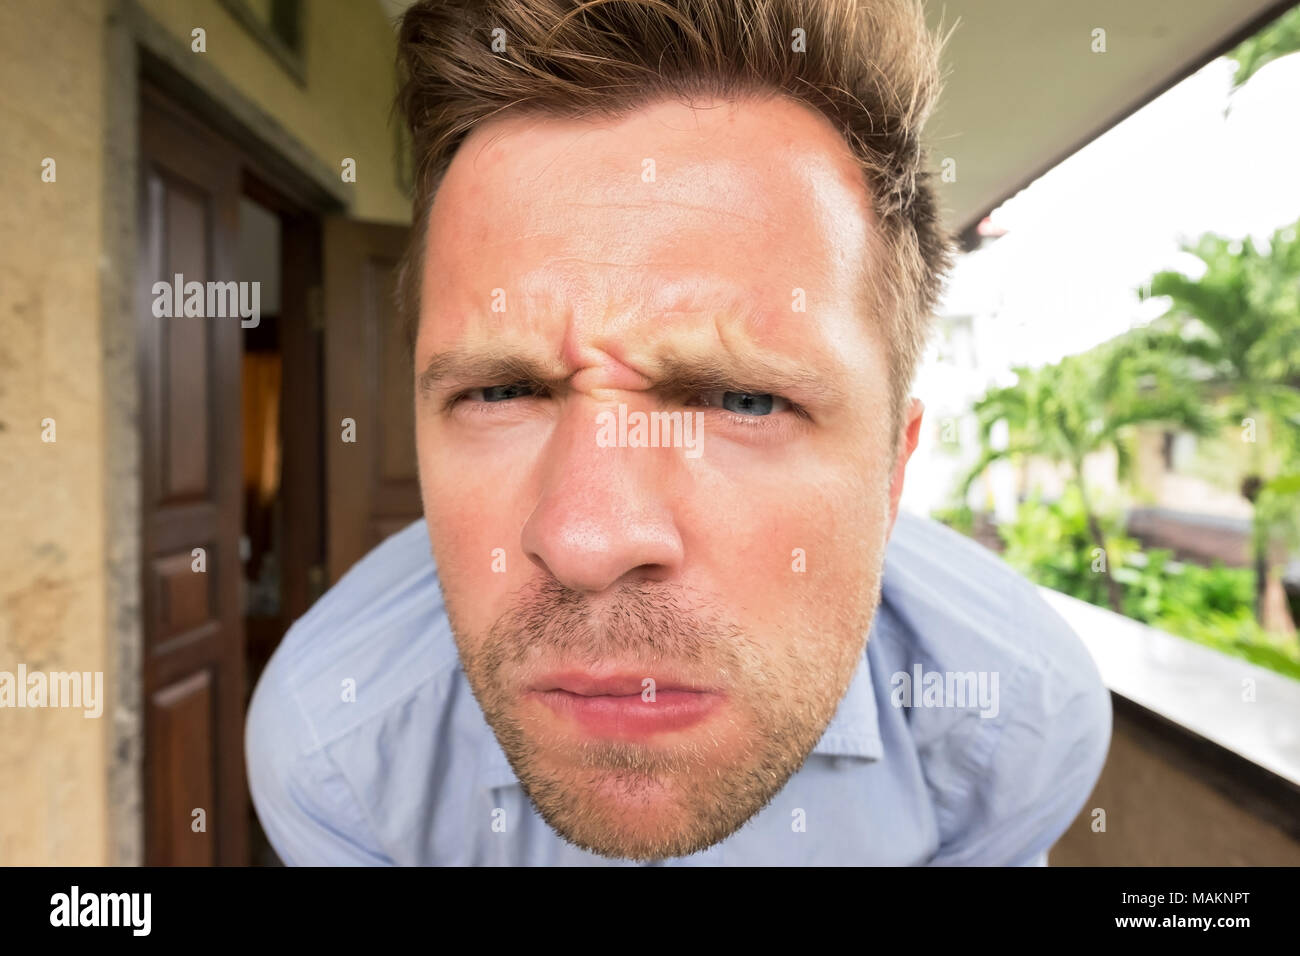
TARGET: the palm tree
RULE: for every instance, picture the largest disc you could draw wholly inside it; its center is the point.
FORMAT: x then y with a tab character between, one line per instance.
1239	326
1085	404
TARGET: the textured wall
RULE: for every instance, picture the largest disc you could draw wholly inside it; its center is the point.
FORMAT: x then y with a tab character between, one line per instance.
69	785
343	110
53	781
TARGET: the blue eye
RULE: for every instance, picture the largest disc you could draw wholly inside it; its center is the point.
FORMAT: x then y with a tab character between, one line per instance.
747	403
500	393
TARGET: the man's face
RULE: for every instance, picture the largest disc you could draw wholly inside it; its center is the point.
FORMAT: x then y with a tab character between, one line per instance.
658	636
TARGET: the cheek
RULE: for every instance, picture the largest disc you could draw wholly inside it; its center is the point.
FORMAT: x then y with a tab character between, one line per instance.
798	545
474	536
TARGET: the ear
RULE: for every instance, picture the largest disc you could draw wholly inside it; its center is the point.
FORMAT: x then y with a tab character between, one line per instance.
909	435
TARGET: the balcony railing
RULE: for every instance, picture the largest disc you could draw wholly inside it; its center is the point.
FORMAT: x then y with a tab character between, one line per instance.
1204	766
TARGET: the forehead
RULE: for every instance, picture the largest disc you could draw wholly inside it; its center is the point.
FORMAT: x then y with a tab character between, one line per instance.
668	209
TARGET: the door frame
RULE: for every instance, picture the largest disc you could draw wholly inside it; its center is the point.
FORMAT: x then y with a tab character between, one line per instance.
302	348
139	51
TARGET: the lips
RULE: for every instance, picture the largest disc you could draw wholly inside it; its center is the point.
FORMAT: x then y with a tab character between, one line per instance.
618	685
618	706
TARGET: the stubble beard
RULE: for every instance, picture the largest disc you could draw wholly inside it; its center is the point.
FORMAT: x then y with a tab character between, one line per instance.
629	800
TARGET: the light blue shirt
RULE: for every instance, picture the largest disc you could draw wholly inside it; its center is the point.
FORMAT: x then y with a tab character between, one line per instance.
410	773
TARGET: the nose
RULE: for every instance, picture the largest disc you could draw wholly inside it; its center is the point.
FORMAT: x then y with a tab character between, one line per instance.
604	515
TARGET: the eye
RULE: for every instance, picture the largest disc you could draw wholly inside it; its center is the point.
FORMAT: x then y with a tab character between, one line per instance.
500	393
750	404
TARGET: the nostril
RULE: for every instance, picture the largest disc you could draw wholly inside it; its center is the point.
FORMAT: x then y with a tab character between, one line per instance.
590	556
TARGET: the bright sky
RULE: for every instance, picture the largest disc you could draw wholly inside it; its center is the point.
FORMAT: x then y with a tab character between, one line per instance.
1085	235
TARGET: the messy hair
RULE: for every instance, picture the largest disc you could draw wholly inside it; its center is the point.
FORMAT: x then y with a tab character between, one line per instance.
869	66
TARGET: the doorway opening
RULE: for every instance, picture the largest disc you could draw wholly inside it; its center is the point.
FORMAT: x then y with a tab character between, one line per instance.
282	539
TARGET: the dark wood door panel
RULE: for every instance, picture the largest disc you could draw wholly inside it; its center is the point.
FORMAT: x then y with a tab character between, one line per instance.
183	396
182	803
372	484
190	465
185	599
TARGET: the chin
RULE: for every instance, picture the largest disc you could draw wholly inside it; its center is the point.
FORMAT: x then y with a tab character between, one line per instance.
635	814
643	827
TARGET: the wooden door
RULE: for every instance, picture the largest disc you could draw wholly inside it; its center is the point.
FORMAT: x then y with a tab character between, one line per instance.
371	480
194	788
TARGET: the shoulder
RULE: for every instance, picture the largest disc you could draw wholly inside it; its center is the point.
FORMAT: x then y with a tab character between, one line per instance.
375	641
380	629
959	602
1008	777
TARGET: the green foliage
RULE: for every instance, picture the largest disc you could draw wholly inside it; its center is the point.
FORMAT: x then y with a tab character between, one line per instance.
1157	587
1277	513
1227	349
1279	38
1049	543
960	518
1237	328
1052	545
1086	403
1238	635
1238	325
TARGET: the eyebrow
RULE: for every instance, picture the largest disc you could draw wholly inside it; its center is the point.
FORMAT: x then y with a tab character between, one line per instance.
461	367
677	375
748	374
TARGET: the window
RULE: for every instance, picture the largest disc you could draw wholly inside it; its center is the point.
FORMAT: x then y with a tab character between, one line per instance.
278	26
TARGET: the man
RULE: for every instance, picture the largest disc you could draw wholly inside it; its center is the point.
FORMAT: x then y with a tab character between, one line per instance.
671	272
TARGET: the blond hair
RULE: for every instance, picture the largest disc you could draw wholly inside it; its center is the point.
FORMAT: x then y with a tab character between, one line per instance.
869	66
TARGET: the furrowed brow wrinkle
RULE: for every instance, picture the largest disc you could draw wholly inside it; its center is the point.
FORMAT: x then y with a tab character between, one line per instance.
679	376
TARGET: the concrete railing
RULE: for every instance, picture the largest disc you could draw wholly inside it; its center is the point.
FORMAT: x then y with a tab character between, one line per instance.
1204	766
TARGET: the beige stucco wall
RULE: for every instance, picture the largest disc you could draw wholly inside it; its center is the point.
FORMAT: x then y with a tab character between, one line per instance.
53	788
342	111
60	779
1225	459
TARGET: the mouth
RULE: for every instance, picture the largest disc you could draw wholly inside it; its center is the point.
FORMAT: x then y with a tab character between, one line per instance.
625	706
624	684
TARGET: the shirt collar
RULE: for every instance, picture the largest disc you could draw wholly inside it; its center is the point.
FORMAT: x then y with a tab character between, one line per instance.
854	731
